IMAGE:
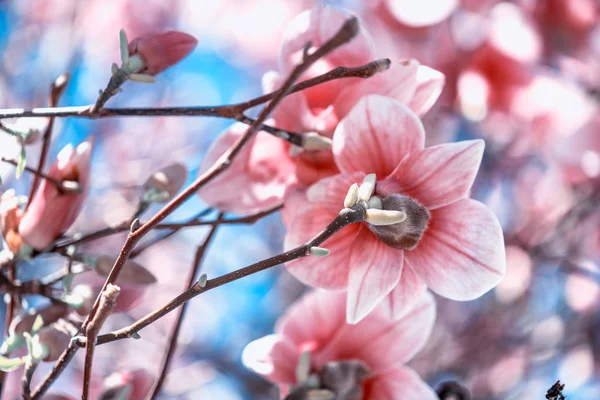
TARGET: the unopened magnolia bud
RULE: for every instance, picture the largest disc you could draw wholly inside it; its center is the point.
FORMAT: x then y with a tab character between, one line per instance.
344	378
352	196
54	339
366	189
49	314
159	51
407	234
164	184
132	273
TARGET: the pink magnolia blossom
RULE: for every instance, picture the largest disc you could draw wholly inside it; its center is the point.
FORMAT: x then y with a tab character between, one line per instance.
448	242
162	50
52	212
318	109
371	353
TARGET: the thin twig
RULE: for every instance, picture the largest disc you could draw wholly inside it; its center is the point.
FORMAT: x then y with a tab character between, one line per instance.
231	111
62	186
346	217
56	90
108	299
345	34
174	336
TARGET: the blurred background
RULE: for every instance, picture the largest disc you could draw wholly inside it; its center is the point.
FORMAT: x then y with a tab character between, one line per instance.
524	75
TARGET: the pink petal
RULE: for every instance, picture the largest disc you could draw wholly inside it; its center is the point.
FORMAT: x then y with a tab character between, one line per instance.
51	212
430	83
258	176
331	192
438	175
273	357
461	256
329	272
375	269
376	135
421	13
379	341
325	310
398	383
398	83
403	297
317	26
293	113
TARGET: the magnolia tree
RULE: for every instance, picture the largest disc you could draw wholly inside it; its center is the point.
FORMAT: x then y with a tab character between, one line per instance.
360	157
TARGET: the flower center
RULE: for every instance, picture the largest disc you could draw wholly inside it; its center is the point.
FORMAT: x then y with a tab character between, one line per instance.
336	380
397	220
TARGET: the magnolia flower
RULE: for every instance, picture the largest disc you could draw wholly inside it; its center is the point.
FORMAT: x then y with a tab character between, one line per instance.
315	110
446	241
51	211
160	51
314	351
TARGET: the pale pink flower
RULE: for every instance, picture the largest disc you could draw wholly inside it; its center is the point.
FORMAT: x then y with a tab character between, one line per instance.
418	14
162	50
318	109
51	211
128	385
448	242
370	355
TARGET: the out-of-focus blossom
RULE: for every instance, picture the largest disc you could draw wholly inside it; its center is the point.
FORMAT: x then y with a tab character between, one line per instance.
54	339
314	348
543	199
318	109
10	216
164	184
132	272
127	385
448	242
83	297
160	51
420	13
52	212
518	275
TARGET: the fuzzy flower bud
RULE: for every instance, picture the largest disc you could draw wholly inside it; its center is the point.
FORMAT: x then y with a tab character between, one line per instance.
51	212
162	185
159	51
404	235
54	339
131	274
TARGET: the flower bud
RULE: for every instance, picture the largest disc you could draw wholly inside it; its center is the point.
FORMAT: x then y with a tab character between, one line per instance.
131	274
84	296
164	184
10	216
404	235
51	212
51	313
54	339
159	51
130	385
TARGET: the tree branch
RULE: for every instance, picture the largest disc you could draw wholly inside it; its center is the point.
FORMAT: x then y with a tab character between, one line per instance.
348	30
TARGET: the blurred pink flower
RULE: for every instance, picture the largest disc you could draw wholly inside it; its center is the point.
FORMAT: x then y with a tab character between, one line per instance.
448	242
371	353
318	109
127	385
52	212
162	50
